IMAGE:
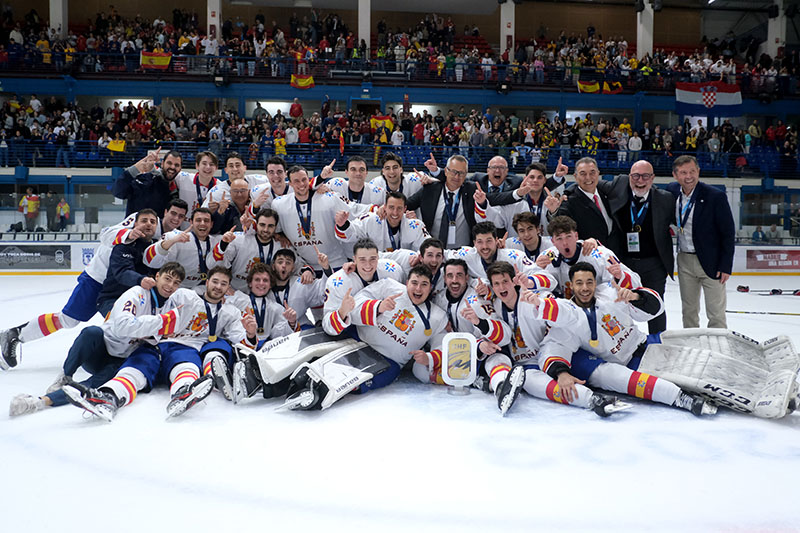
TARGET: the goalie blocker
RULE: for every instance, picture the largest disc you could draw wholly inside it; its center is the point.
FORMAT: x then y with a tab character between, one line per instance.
730	368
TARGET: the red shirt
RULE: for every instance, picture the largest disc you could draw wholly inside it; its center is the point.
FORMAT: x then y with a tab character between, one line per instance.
296	111
304	136
419	131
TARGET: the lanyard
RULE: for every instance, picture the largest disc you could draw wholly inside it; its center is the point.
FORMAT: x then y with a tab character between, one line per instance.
451	209
591	317
684	211
532	255
212	320
454	322
305	222
638	219
516	321
535	207
260	315
200	196
276	291
392	239
355	196
201	257
426	320
268	259
154	301
435	279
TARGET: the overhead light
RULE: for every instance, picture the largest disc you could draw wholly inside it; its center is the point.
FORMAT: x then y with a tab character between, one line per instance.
711	2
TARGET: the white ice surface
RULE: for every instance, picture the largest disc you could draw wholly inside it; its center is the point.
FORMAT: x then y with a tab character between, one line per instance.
409	457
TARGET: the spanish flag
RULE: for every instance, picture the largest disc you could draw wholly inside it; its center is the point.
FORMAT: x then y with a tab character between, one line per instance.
378	121
588	87
117	145
614	87
155	60
302	81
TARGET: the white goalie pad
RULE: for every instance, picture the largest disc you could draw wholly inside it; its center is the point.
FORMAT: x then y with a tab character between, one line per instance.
729	368
337	374
279	358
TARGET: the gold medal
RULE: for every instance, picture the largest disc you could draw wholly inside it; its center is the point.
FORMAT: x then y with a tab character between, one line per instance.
428	332
212	338
594	343
260	331
203	276
637	228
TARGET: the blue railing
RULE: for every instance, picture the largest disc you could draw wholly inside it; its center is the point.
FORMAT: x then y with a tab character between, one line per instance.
762	161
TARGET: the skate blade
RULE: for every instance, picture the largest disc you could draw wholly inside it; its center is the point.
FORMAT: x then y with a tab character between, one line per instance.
617	407
221	381
239	392
196	396
305	397
78	400
518	380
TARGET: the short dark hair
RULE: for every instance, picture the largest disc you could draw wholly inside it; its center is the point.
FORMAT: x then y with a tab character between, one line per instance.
207	153
582	266
174	153
430	242
179	203
219	269
294	169
561	224
174	268
498	268
145	211
284	252
482	228
205	210
536	166
456	262
682	160
525	216
259	268
233	155
267	212
355	159
421	270
391	156
396	194
364	244
276	160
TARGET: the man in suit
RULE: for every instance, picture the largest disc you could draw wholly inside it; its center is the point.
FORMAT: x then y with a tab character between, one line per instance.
706	234
644	214
590	209
497	183
448	208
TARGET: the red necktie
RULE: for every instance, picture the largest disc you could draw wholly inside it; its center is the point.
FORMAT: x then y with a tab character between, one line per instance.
597	202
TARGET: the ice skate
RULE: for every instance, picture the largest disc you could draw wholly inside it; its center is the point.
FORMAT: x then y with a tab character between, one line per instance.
302	394
100	402
24	404
60	381
246	379
10	353
605	406
222	377
696	404
189	395
509	389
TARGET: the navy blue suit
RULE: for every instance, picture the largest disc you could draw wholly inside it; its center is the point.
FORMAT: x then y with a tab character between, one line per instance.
713	229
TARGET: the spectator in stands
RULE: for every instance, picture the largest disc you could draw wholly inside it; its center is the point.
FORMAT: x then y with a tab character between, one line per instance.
50	207
62	210
29	207
774	235
759	236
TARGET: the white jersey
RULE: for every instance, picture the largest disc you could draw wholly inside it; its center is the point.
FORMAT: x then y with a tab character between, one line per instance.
255	192
409	235
191	191
337	285
109	237
600	258
253	180
197	331
516	244
270	322
301	297
617	334
241	254
525	336
137	317
396	333
320	212
503	215
188	254
477	265
453	307
370	195
410	184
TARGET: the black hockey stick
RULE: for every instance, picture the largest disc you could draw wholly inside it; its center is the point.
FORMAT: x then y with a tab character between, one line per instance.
762	313
772	292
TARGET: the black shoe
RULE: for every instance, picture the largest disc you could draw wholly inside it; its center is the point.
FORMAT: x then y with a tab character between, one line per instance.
189	395
10	354
605	406
100	402
508	391
695	403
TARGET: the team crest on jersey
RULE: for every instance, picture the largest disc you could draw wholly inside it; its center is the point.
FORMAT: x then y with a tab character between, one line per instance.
611	325
404	321
568	290
471	299
596	254
141	300
518	340
198	323
337	282
487	308
301	232
389	267
413	224
513	254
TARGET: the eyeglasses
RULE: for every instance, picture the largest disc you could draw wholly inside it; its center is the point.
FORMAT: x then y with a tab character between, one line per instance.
458	173
644	177
498	167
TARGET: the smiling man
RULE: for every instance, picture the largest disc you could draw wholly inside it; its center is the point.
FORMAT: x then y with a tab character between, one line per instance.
393	232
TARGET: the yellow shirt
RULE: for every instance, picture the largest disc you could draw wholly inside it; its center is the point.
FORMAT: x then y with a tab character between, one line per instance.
44	47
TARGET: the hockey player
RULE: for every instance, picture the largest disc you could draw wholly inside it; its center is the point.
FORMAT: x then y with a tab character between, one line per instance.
393	179
396	320
594	339
391	233
307	220
568	250
178	359
82	303
528	239
140	315
249	248
193	188
235	168
353	188
291	293
368	269
272	320
191	248
264	194
126	266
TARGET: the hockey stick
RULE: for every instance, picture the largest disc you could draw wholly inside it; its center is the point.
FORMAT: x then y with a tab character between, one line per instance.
772	292
762	313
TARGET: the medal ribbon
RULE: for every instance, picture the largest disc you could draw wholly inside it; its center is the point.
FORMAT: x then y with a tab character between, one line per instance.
212	320
260	316
305	222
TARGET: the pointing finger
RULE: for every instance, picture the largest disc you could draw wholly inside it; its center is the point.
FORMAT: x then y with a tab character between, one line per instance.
547	191
478	185
559	161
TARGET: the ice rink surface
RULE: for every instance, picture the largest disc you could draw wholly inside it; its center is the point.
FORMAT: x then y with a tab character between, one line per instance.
406	458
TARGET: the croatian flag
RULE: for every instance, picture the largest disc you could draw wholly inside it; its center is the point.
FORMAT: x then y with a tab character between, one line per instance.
708	98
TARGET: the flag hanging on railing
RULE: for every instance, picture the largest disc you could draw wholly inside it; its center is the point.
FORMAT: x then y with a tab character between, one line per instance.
588	87
613	87
302	81
715	97
377	121
155	60
341	142
117	145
